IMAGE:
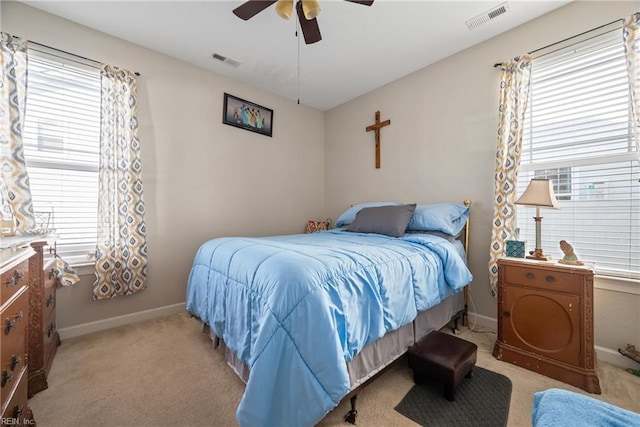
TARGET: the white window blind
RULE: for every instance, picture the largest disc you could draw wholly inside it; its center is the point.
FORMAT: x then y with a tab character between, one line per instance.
61	138
579	133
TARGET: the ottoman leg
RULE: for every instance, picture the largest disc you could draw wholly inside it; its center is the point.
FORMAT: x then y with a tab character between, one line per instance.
450	392
470	373
418	378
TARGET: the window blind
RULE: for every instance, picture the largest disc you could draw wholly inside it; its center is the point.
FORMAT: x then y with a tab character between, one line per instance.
61	139
579	133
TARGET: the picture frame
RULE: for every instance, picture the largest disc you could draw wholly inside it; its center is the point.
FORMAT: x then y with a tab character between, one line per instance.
247	115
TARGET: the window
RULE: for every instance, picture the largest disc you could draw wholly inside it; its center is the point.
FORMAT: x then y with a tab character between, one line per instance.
61	140
561	179
579	133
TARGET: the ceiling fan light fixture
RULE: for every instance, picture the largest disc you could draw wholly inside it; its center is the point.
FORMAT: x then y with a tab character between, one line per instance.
284	8
311	8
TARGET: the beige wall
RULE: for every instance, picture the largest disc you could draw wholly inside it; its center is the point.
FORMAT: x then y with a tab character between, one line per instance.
441	147
202	179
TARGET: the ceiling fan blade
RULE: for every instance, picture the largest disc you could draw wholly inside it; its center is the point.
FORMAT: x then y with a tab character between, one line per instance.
362	2
309	27
251	8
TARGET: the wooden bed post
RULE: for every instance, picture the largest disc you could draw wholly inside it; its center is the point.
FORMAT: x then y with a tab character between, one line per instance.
465	316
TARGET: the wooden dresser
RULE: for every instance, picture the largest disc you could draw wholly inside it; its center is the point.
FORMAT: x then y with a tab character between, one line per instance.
43	333
15	278
545	320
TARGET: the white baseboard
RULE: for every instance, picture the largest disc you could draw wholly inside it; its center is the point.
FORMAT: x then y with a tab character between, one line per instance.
615	358
483	321
604	354
112	322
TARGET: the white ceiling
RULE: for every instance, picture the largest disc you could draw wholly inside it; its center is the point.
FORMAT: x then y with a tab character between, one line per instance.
362	48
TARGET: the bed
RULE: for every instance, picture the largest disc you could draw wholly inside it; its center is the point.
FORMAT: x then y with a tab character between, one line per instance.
307	319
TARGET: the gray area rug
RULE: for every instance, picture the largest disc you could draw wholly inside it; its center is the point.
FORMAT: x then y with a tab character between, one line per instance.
481	401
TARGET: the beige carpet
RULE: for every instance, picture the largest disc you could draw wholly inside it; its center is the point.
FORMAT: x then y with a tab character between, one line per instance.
164	372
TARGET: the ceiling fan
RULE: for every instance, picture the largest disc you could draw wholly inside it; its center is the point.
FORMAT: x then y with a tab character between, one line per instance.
307	11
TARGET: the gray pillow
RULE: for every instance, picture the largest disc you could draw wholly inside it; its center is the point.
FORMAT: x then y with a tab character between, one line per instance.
389	220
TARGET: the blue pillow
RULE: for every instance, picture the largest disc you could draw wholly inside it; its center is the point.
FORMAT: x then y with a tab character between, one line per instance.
349	215
448	218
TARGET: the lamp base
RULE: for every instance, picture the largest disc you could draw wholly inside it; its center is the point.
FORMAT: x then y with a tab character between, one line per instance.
537	254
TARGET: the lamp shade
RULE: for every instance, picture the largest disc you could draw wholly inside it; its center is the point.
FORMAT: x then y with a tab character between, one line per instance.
539	193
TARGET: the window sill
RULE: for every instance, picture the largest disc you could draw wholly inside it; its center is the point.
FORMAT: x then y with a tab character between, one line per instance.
617	284
84	269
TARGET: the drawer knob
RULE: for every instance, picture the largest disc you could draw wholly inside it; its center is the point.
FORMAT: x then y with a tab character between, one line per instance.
12	324
6	376
17	411
550	278
529	275
51	330
50	300
15	278
15	361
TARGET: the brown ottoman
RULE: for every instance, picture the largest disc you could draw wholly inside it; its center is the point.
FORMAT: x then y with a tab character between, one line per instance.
442	357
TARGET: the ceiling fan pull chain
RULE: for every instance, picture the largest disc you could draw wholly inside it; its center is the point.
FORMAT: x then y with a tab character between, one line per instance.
298	43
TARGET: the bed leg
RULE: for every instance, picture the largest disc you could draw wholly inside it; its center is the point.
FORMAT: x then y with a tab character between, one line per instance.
351	415
455	329
465	316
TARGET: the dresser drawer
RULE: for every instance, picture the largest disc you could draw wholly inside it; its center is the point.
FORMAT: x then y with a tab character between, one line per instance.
49	302
49	331
550	279
50	349
11	372
15	412
15	318
13	279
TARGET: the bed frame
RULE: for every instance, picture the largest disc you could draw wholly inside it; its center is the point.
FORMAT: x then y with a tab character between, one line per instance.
379	356
384	352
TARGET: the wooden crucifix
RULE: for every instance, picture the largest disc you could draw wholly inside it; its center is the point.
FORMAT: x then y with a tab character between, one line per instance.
376	128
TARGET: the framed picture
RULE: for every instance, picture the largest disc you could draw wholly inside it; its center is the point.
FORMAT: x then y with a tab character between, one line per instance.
247	115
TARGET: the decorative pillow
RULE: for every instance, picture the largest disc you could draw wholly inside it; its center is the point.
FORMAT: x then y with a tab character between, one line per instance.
389	220
349	215
448	218
314	226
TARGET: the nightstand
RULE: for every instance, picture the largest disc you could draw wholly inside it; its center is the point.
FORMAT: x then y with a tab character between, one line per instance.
545	320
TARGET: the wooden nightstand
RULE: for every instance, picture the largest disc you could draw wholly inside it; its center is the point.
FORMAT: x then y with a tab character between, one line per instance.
545	320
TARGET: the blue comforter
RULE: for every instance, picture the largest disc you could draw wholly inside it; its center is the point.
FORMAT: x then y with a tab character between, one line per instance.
296	308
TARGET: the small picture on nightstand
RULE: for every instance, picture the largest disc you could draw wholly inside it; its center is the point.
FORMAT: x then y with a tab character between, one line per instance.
514	249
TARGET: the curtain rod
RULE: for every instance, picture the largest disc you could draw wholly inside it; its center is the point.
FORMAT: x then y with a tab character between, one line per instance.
499	64
73	54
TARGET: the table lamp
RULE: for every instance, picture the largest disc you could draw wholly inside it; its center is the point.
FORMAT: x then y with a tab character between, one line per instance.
539	193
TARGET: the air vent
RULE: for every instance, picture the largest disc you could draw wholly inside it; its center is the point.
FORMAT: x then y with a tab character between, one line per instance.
501	9
226	59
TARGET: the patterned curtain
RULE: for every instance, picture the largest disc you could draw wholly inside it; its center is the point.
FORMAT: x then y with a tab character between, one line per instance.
121	252
630	34
514	94
15	193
